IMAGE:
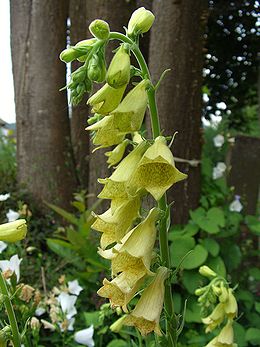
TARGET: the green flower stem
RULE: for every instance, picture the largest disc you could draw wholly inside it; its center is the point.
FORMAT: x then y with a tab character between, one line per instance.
163	232
10	312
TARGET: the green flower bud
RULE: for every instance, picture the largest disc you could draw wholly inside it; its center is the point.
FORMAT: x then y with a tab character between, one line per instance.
97	68
100	29
5	335
207	272
140	21
68	55
117	154
13	231
118	73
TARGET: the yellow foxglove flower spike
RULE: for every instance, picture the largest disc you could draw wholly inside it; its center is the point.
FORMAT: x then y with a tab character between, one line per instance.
118	73
129	114
116	185
156	172
106	99
120	290
115	156
134	252
13	231
146	314
115	226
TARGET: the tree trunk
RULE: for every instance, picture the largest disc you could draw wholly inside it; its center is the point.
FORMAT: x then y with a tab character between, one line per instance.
79	136
38	35
117	14
177	43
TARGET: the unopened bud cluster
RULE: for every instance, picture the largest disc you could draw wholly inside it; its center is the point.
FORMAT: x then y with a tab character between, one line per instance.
219	299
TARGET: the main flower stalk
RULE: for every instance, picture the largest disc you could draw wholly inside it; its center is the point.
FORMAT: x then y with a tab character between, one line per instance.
162	204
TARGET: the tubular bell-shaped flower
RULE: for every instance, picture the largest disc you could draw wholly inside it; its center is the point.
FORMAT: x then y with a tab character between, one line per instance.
129	114
116	185
156	172
120	290
215	318
105	133
106	99
133	253
146	314
115	226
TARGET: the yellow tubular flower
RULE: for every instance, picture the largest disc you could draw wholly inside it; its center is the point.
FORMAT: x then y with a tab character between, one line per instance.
114	226
146	314
226	335
156	172
13	231
115	156
105	133
215	318
118	73
231	305
129	114
106	99
134	252
116	185
120	290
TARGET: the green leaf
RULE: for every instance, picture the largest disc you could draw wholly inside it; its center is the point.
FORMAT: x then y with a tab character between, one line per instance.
93	318
60	247
217	214
255	272
177	302
253	224
253	336
192	280
117	343
190	229
210	221
196	258
217	264
68	216
232	255
75	238
257	306
193	311
240	334
212	246
180	246
246	296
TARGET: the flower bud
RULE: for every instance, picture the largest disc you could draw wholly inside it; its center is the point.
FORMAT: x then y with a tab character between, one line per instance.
68	55
97	68
207	272
100	29
140	21
35	323
200	291
118	73
13	231
5	335
117	325
116	155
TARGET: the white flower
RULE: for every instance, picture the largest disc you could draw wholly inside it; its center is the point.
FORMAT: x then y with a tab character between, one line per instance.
13	264
3	246
85	336
74	287
12	215
67	303
39	311
4	197
219	140
236	205
219	170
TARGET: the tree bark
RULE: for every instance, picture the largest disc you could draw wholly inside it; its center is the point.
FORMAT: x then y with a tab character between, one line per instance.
177	43
117	14
79	136
38	35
